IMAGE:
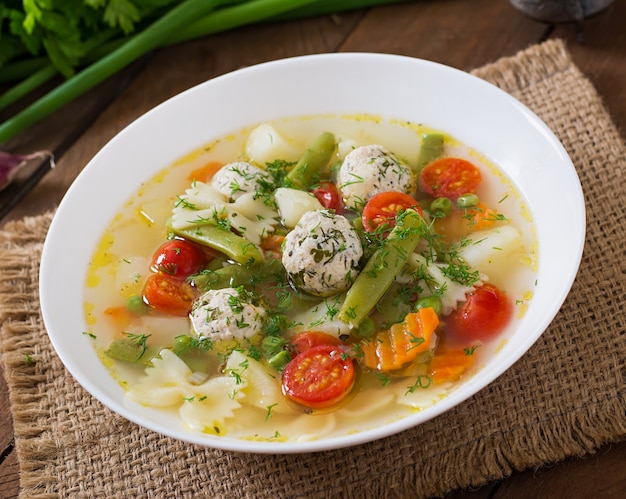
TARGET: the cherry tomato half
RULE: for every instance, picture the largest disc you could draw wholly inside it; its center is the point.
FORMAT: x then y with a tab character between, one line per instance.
450	178
306	340
485	314
319	377
168	294
329	197
178	258
381	210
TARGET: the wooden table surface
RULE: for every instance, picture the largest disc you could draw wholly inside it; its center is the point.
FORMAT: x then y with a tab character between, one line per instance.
464	34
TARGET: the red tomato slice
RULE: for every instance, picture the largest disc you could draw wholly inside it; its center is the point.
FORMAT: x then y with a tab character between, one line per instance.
450	178
319	377
309	339
178	258
381	210
329	197
483	316
168	294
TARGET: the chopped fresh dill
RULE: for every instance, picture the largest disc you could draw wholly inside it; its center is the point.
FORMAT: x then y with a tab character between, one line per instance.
268	414
422	382
383	378
141	340
470	350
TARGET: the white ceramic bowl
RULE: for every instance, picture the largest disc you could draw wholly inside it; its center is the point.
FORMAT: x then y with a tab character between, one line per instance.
471	110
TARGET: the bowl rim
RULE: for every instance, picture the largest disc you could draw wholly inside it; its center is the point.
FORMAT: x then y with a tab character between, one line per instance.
51	273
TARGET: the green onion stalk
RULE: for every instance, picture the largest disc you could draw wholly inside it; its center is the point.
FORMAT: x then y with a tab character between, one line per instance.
188	20
149	39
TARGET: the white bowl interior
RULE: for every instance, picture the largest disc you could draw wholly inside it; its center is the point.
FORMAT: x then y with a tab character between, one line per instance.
473	111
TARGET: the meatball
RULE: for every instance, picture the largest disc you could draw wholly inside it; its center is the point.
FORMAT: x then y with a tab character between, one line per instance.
235	179
322	253
226	314
370	170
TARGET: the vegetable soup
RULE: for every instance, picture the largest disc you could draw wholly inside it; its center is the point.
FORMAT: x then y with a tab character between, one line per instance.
310	277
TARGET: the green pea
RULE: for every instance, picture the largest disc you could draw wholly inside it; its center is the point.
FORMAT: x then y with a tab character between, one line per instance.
182	343
136	305
357	223
440	207
467	200
273	345
432	301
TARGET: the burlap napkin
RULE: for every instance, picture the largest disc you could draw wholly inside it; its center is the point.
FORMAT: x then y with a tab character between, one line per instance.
565	397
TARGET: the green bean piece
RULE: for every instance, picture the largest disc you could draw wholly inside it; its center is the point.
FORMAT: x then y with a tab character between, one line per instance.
430	150
280	360
382	268
440	207
217	263
235	275
432	301
366	329
393	306
132	351
235	247
307	170
467	200
230	276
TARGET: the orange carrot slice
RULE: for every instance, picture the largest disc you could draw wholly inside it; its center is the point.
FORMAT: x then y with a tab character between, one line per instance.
450	365
480	217
204	173
272	243
393	348
120	316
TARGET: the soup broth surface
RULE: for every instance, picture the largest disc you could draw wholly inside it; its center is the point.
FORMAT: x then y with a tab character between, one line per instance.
236	393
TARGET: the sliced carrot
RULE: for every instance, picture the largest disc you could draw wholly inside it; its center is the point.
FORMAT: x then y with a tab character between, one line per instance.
393	348
460	223
272	243
120	316
204	173
480	217
450	365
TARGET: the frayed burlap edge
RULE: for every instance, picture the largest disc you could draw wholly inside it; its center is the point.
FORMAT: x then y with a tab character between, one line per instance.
21	243
524	69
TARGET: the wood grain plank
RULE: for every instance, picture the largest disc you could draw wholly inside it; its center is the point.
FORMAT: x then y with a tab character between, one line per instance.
457	33
9	477
600	475
602	56
6	422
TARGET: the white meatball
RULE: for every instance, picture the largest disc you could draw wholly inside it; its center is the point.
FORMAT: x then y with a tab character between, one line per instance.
226	314
321	254
235	179
370	170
